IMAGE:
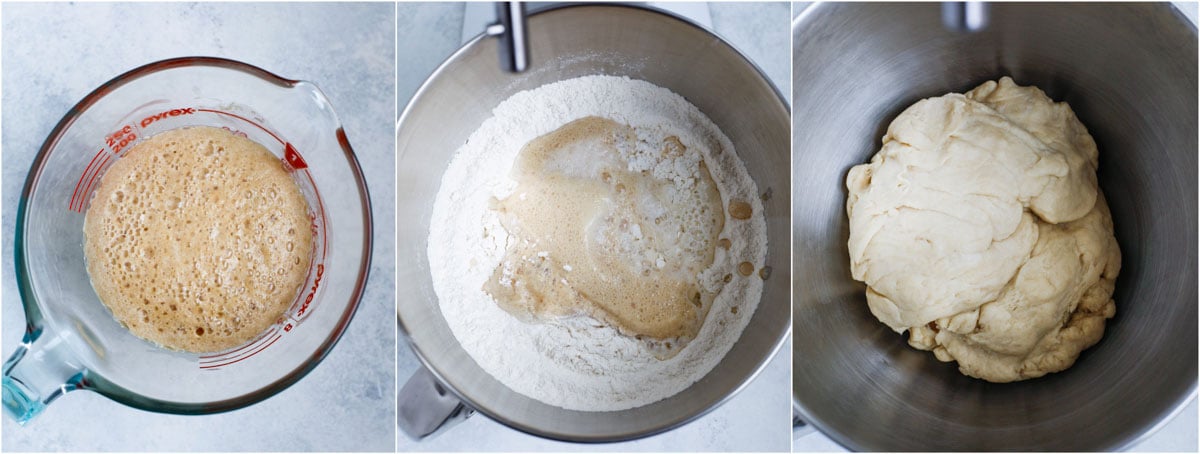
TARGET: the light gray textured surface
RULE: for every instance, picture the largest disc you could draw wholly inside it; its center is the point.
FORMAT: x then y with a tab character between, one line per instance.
758	418
54	54
427	33
1179	434
752	28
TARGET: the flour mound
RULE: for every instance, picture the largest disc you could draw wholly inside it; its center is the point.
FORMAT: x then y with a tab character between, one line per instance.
579	361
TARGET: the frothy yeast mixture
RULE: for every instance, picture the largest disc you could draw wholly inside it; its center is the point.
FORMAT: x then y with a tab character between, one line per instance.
198	239
596	237
597	244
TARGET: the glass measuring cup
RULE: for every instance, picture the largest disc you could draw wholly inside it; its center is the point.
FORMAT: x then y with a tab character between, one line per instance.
73	342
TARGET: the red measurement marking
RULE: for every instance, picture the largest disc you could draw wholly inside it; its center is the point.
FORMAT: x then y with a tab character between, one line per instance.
313	291
119	139
87	189
112	139
320	206
239	117
264	347
116	149
300	305
166	113
293	157
218	356
71	204
307	272
252	348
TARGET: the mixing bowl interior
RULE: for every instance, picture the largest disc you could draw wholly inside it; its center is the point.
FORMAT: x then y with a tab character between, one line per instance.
1129	72
567	43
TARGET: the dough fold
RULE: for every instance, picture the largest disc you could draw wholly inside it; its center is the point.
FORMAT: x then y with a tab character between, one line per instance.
979	228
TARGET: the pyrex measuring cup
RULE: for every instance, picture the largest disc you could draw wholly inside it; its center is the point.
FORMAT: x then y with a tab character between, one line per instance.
73	342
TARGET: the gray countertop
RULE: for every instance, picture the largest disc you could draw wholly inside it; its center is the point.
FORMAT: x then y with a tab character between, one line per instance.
758	418
54	54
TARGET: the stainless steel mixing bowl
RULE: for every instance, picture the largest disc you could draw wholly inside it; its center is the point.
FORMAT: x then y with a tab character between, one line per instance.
1129	72
565	43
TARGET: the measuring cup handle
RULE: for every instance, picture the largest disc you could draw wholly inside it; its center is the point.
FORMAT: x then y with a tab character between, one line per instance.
39	371
424	407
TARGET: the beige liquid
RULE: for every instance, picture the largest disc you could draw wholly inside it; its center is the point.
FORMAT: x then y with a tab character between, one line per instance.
594	238
197	239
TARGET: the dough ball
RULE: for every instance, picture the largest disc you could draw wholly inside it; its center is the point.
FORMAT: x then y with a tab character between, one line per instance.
979	228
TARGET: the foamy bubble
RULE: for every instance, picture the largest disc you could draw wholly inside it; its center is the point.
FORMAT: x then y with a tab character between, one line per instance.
197	239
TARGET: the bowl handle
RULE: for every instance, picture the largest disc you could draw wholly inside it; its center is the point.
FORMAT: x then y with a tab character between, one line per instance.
514	41
968	16
41	370
799	427
424	407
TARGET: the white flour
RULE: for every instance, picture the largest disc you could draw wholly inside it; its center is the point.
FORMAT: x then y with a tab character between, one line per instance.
579	363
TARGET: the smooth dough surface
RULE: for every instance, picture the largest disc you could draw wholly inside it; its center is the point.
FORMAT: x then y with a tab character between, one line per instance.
979	227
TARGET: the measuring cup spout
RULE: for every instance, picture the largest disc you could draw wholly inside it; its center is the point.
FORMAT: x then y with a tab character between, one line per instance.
41	370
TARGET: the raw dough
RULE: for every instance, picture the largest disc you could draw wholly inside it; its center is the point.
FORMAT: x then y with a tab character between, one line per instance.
980	228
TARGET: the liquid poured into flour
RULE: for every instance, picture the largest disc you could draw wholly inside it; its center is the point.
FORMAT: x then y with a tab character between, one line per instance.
587	362
593	237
